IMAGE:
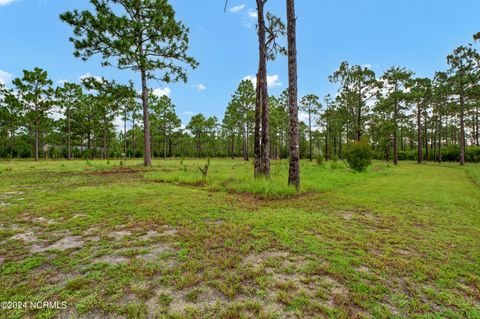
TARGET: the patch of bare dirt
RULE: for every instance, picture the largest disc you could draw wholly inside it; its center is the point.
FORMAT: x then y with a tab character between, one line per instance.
27	237
119	234
112	260
155	251
69	242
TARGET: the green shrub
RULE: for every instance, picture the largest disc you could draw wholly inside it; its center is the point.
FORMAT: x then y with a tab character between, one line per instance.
359	156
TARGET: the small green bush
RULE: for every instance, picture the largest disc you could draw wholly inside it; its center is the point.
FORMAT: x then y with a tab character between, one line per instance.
359	156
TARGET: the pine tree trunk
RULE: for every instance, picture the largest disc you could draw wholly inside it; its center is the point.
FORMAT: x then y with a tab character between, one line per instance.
125	138
245	149
359	116
440	139
256	143
419	135
247	138
69	135
425	136
294	168
36	139
233	147
12	133
147	156
165	146
262	80
476	126
105	136
462	129
310	133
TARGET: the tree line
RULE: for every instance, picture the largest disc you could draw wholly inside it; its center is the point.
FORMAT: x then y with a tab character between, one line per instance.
401	116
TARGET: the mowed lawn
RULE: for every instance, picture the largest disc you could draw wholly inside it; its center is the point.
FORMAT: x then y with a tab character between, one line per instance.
165	242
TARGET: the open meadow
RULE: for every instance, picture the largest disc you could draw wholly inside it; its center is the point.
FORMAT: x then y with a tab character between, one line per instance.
165	242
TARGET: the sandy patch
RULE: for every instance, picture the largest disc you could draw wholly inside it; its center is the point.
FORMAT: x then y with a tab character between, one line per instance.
28	237
119	234
112	260
69	242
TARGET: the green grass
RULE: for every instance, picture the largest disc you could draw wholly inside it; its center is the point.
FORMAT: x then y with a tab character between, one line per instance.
393	242
236	176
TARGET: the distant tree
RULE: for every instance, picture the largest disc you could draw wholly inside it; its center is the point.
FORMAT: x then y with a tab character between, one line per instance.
197	126
279	123
108	96
294	167
395	85
243	101
230	125
35	92
440	100
11	113
310	104
164	119
421	94
476	36
326	118
358	86
464	75
67	98
142	36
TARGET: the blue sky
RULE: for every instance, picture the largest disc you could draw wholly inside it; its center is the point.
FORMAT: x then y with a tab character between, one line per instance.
417	34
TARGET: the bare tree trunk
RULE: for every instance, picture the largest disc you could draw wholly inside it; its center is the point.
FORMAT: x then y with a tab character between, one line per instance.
134	140
36	139
359	116
165	145
125	138
476	126
440	139
12	133
233	147
425	136
294	168
69	135
310	133
246	142
105	136
462	130
395	118
245	147
147	156
419	135
262	81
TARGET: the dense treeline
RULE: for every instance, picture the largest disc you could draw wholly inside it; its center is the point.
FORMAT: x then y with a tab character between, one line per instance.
78	118
401	116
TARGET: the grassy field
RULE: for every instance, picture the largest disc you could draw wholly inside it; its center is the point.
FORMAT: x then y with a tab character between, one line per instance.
165	242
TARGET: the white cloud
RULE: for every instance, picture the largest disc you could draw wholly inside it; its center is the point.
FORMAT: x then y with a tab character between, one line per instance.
61	82
252	13
89	75
272	80
162	92
235	9
5	2
188	113
200	87
5	76
368	66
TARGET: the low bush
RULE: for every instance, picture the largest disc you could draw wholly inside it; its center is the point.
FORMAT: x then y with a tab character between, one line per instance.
359	156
